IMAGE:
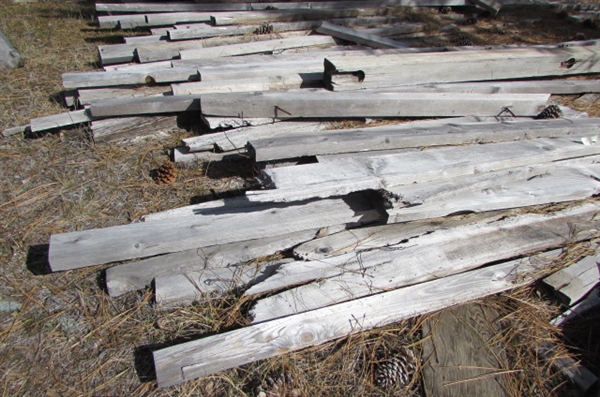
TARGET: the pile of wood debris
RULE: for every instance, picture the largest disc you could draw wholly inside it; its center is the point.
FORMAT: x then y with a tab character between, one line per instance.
384	222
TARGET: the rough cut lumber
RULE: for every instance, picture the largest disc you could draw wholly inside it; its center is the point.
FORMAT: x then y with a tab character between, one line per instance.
380	236
118	129
575	281
203	357
22	129
323	104
258	17
139	240
234	122
237	139
461	354
171	50
108	79
121	21
136	275
378	171
87	96
397	137
9	56
141	106
60	120
383	71
557	87
425	258
182	154
358	37
171	18
137	67
203	31
257	47
578	310
267	83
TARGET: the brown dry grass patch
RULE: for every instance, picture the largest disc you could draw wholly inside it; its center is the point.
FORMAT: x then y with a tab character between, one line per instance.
71	339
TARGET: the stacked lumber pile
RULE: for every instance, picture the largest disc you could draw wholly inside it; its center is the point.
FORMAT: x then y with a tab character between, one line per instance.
381	223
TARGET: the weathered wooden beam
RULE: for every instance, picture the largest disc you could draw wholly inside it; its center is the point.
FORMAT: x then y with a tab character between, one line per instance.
87	96
268	46
490	6
136	275
60	120
144	106
203	357
215	123
267	82
383	71
108	79
358	37
139	240
237	139
254	17
203	31
118	129
588	303
574	282
397	137
425	258
386	171
320	103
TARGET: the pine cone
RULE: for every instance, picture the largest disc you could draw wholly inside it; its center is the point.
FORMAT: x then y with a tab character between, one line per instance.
284	385
166	173
551	112
463	40
265	28
445	10
400	368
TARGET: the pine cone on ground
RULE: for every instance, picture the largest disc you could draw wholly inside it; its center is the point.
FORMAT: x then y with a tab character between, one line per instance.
400	368
445	10
265	28
166	173
284	385
463	40
550	112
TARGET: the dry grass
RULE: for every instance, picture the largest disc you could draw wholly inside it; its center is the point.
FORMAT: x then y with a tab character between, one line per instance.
71	339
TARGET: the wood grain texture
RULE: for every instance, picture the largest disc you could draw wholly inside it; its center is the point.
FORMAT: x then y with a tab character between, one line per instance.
461	353
575	281
576	311
60	120
358	37
203	357
422	259
397	137
118	129
139	240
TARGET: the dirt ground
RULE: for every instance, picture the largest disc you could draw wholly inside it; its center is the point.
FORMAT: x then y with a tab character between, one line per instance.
70	339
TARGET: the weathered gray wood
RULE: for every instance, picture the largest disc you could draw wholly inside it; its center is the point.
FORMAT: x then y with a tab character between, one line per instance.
22	129
254	17
490	6
60	120
118	129
425	258
9	56
143	67
154	38
563	87
268	46
234	122
139	240
389	170
380	236
359	37
171	18
237	139
108	79
266	83
87	96
578	310
381	71
461	354
171	50
393	137
203	31
143	106
402	28
546	183
577	373
121	21
323	104
136	275
182	154
202	357
577	280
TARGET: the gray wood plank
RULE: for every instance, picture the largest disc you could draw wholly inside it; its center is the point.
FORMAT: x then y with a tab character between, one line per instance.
393	137
203	357
145	106
268	46
320	103
139	240
574	282
386	171
136	275
203	31
427	258
108	79
235	122
381	71
60	120
254	17
88	95
588	303
461	354
118	129
358	37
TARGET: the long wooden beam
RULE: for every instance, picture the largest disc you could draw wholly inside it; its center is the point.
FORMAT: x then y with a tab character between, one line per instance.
203	357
